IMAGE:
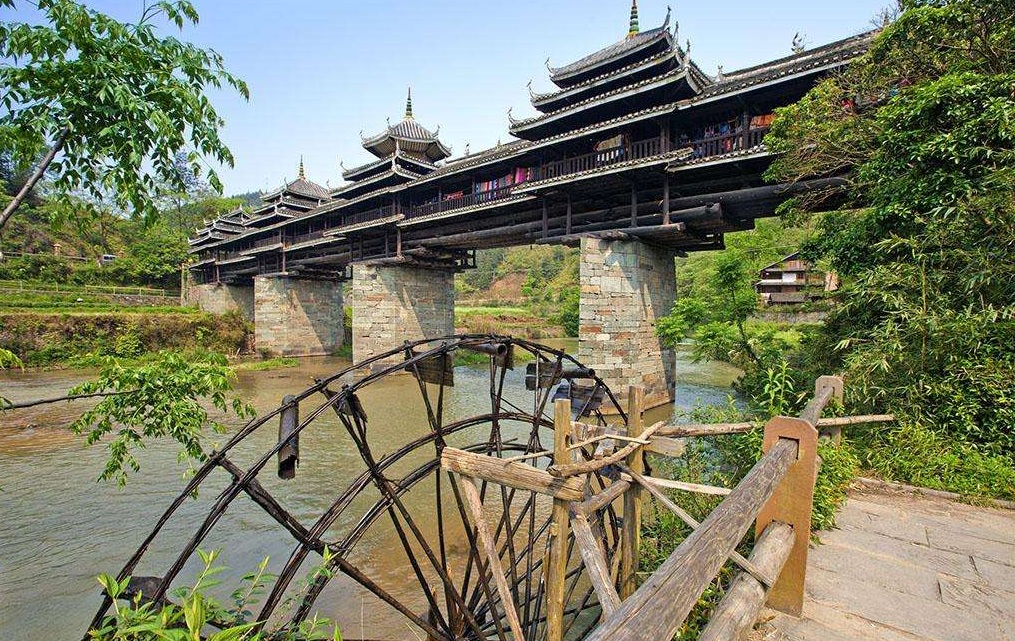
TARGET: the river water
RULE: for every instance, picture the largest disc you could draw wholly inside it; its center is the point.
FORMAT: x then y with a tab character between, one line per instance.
60	527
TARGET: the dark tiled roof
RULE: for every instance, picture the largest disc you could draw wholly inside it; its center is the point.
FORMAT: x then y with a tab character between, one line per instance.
408	131
840	51
517	125
543	98
349	174
493	154
303	187
613	52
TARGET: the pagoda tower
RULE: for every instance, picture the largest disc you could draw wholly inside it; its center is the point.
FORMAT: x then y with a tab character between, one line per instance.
404	151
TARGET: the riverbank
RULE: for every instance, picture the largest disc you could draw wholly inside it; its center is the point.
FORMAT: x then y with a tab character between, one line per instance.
51	339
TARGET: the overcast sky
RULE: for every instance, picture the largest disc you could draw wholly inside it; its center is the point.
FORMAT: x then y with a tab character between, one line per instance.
320	71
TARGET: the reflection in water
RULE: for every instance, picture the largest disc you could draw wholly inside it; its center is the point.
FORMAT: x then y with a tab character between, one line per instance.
61	528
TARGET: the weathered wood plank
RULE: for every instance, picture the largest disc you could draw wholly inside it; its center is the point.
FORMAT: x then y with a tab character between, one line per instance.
604	498
475	504
680	580
737	612
556	567
687	487
630	536
587	467
595	563
719	429
666	446
510	473
792	503
689	520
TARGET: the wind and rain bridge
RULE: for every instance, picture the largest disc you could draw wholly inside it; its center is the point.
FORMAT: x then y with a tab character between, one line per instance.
637	156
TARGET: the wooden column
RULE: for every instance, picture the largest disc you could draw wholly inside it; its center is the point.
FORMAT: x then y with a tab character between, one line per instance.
791	504
546	219
630	538
666	200
556	567
634	206
567	231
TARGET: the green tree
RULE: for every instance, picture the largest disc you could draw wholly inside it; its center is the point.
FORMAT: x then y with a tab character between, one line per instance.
923	129
108	105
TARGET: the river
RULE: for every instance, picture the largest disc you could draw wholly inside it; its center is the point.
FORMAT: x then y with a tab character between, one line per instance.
60	527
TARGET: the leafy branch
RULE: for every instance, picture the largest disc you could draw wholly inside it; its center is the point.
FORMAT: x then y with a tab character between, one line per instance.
161	397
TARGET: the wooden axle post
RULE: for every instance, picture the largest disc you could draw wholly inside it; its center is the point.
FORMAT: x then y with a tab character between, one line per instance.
791	504
630	538
556	566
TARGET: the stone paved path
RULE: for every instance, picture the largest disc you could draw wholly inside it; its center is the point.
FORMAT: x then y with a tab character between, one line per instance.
906	568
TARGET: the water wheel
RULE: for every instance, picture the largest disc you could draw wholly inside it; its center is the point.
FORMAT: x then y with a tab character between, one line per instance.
397	529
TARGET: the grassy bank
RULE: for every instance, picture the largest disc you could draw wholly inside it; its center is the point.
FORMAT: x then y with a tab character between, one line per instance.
512	321
47	339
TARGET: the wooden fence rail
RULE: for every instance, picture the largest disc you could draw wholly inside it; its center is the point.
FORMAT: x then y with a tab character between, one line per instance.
776	496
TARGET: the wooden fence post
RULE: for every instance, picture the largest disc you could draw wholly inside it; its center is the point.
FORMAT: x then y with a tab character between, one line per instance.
630	539
835	382
556	567
791	504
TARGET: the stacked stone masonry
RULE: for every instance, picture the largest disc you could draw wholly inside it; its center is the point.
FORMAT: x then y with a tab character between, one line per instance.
395	304
219	298
625	287
297	317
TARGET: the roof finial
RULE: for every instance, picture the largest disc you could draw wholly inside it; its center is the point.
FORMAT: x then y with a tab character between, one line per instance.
302	174
633	31
408	106
799	43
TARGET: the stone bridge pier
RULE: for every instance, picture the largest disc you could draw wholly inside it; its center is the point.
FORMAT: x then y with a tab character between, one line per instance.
397	303
297	316
625	287
219	298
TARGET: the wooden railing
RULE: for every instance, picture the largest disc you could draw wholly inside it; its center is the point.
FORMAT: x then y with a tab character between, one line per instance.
603	158
599	159
719	145
465	200
775	495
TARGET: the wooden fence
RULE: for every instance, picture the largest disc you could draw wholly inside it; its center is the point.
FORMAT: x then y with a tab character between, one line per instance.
776	496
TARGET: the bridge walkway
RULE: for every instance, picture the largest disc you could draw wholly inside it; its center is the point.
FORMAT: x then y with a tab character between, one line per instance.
907	568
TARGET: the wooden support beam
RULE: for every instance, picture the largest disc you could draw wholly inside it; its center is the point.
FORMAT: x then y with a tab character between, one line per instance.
737	613
595	562
586	467
556	566
630	537
666	200
604	498
510	473
634	206
691	522
662	603
665	446
791	503
681	485
475	504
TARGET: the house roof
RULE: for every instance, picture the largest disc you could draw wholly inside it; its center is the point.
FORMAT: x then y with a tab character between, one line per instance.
407	136
617	51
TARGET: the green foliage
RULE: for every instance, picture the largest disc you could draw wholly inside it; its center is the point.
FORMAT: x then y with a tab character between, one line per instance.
8	359
196	610
136	100
266	365
45	339
926	328
909	452
160	397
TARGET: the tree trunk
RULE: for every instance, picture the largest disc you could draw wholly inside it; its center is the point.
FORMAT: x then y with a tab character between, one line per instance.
36	176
